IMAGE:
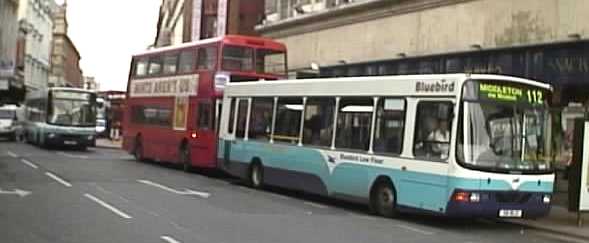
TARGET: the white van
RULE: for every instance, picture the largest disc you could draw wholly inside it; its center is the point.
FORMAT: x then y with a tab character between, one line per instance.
11	118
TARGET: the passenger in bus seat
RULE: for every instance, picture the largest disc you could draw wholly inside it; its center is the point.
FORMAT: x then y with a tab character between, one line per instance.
440	138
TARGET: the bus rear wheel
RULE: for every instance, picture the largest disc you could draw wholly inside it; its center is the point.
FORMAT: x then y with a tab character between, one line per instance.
185	159
256	176
383	199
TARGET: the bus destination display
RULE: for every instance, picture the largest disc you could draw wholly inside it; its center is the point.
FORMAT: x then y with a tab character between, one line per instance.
511	93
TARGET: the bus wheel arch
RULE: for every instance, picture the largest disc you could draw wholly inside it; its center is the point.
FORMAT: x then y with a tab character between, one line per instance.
383	197
256	173
184	156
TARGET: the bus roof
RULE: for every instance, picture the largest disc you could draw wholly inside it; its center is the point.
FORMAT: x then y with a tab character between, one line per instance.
228	39
408	85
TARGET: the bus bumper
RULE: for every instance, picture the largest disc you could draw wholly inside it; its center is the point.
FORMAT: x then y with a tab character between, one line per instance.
70	139
499	204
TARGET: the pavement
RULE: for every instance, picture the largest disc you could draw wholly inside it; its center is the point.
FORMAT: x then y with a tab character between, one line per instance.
559	221
108	143
104	195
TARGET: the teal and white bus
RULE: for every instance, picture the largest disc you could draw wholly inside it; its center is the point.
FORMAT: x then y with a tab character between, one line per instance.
61	116
454	144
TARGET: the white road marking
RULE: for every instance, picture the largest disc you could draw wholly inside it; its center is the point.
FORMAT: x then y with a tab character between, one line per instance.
20	193
407	227
312	204
73	156
56	178
185	192
29	163
169	239
108	206
11	154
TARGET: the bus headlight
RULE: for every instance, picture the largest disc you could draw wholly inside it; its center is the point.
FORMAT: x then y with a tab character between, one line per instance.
90	137
51	135
546	199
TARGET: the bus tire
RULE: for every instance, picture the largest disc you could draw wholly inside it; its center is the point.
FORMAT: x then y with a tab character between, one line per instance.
184	154
256	175
138	149
383	199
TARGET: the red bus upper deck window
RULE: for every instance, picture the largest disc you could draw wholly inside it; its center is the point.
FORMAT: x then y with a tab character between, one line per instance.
238	58
155	65
207	57
170	63
141	67
187	60
271	62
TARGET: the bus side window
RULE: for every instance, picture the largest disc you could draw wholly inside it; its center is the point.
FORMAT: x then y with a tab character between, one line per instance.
318	128
155	65
261	118
389	126
141	67
231	116
186	63
354	121
204	115
288	119
432	130
207	58
241	117
170	64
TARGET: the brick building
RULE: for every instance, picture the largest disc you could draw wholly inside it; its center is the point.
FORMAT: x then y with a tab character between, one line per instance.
65	58
187	20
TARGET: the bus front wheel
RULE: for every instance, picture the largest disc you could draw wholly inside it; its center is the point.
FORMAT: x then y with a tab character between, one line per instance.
256	177
383	199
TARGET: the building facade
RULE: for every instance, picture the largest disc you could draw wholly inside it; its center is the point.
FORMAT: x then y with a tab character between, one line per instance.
188	20
36	24
65	58
541	39
11	83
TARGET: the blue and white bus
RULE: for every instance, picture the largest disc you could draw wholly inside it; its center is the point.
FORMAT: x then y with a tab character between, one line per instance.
61	116
454	144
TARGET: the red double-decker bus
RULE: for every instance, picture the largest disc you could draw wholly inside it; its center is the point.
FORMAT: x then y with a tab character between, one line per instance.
174	95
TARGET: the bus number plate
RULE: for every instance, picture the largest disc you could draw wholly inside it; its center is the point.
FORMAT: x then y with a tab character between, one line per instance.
70	142
508	213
